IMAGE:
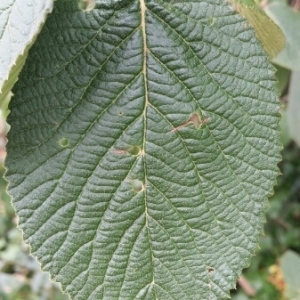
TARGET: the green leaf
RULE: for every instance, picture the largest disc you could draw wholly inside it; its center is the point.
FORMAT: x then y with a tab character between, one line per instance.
266	30
293	108
143	147
20	22
289	21
285	136
290	265
283	78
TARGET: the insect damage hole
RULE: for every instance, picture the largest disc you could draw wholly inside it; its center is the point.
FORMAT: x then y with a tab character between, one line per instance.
133	150
86	5
64	142
137	185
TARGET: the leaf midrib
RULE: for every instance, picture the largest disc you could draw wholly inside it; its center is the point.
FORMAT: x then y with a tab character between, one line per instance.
143	150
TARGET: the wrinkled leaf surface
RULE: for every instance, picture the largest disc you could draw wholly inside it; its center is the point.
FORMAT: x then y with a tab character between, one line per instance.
143	147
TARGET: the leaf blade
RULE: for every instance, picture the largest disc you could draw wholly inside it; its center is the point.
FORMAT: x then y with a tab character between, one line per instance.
148	221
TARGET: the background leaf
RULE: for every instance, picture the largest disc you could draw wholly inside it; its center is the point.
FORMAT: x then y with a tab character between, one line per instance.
143	147
289	21
266	30
293	108
290	265
20	22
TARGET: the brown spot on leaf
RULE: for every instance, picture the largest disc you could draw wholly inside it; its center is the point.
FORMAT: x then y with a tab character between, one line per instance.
194	119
